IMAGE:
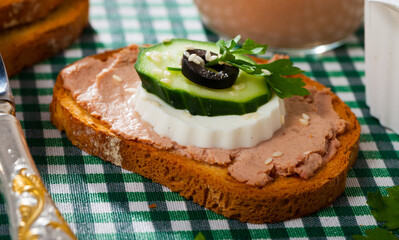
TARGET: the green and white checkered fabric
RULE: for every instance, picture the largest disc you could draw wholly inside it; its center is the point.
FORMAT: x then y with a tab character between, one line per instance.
102	201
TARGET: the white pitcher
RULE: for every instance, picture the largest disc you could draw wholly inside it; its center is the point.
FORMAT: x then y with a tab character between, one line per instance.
382	60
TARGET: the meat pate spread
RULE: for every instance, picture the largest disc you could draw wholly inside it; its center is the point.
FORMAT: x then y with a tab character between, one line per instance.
306	141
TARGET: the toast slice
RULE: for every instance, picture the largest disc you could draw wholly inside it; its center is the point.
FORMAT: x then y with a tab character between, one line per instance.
210	185
17	12
28	44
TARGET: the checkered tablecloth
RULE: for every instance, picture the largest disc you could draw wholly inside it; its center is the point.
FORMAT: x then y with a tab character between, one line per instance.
102	201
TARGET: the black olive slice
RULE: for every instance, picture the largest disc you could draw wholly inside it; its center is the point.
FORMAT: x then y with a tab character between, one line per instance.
216	77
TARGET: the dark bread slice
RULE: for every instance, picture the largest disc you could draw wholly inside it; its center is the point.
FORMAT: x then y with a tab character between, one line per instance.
17	12
28	44
210	185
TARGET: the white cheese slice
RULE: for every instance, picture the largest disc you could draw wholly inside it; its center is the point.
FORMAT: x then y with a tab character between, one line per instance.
229	132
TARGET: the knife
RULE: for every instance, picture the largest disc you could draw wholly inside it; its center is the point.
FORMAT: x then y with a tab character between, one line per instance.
32	213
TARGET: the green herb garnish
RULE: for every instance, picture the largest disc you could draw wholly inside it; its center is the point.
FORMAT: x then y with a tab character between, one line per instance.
385	209
274	72
376	234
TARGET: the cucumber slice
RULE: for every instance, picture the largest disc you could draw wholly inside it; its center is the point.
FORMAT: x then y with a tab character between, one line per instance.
245	96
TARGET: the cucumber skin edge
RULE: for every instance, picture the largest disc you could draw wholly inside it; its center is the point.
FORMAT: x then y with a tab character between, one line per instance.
198	105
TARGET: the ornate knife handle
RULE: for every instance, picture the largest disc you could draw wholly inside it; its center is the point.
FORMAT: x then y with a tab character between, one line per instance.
32	213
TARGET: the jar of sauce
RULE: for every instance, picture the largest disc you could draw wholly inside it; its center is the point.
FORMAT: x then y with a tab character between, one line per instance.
302	26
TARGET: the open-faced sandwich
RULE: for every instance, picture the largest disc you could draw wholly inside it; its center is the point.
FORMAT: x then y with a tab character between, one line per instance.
247	138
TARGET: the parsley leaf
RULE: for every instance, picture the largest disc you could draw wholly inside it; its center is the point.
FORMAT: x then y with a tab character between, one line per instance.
232	43
250	47
385	208
274	73
376	234
283	86
281	67
286	87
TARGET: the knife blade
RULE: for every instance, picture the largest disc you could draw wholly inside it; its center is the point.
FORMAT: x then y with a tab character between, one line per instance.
32	213
6	97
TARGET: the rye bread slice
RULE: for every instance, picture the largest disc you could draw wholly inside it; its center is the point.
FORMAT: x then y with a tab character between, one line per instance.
18	12
28	44
210	185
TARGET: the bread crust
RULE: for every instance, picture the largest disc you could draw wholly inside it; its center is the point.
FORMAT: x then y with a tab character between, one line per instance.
17	12
210	185
28	44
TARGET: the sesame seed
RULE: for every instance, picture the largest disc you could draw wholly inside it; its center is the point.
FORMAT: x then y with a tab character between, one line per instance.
131	90
116	78
305	116
212	58
196	61
208	55
277	154
200	60
304	122
165	80
187	54
190	47
239	86
265	71
192	57
307	153
268	160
